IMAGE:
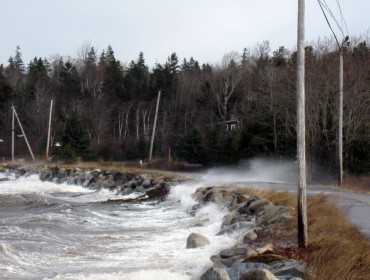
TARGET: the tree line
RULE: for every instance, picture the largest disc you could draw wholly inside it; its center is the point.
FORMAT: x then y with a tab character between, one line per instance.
104	109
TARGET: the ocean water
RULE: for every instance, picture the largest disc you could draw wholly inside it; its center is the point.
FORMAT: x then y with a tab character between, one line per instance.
51	231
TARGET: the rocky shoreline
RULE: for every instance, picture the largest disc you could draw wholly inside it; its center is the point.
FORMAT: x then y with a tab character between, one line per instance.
147	186
252	217
255	219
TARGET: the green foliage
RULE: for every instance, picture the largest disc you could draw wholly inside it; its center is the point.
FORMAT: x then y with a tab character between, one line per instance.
113	75
42	144
253	139
142	148
136	80
68	154
5	90
158	146
359	152
105	152
75	136
100	97
191	147
16	61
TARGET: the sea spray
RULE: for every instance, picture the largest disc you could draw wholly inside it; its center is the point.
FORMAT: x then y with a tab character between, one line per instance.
60	231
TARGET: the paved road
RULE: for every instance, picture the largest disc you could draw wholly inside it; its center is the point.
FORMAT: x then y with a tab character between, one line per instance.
357	205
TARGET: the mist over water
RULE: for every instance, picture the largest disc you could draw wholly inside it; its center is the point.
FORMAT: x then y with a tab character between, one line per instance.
254	170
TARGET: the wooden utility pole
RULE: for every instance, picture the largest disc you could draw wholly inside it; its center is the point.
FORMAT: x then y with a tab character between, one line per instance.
12	133
301	129
154	126
49	129
340	118
24	135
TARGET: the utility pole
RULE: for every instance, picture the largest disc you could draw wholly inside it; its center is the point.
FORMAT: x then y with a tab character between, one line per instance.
345	44
12	133
301	129
340	118
25	137
154	126
49	129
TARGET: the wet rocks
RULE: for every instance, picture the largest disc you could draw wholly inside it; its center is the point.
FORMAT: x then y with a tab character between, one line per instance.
148	185
249	216
258	274
219	196
250	236
274	218
215	273
196	240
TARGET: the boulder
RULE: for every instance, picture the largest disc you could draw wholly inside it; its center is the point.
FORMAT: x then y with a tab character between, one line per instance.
268	258
238	269
196	240
254	206
145	184
228	253
236	226
215	273
274	217
157	192
46	175
250	236
229	219
258	274
199	194
289	269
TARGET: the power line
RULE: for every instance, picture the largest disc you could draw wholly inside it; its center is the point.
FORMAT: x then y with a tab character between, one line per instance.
327	20
326	6
342	17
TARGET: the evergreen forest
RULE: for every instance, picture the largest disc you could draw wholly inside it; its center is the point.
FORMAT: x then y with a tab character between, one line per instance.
242	107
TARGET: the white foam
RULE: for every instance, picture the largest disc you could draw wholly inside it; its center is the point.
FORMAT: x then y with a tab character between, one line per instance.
139	275
123	242
32	184
183	193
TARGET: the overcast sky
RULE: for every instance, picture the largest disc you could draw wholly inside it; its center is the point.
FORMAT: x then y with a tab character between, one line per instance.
204	29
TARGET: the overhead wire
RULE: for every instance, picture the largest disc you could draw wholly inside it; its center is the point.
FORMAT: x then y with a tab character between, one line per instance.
327	20
327	8
342	17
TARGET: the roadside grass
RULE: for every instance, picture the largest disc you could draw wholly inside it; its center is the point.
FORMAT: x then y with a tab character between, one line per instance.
115	167
337	249
357	183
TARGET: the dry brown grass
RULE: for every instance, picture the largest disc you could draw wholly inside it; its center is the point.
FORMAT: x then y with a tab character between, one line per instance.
336	250
115	167
358	184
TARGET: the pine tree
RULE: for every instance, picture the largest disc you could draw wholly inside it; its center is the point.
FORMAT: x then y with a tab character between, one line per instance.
91	56
17	61
136	80
191	147
113	76
5	90
74	135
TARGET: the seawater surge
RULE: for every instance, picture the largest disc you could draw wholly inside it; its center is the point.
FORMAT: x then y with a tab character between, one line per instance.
60	231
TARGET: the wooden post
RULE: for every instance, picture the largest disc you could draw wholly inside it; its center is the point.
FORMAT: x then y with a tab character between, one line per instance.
25	138
301	129
12	133
340	119
154	126
49	129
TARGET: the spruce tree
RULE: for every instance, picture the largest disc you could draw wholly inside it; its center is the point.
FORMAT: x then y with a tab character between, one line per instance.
74	136
17	60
